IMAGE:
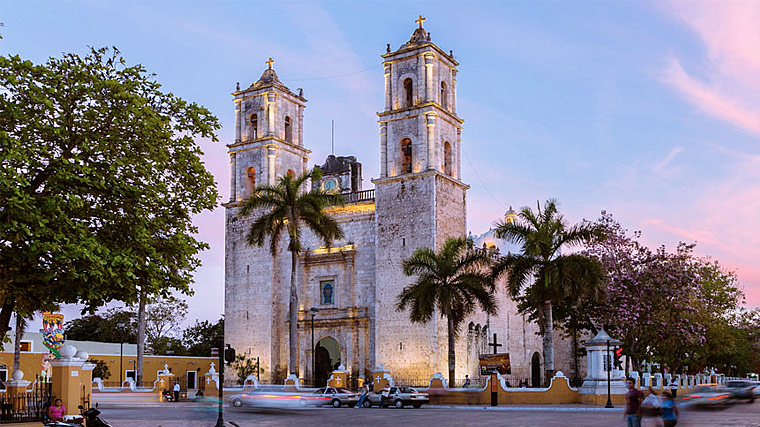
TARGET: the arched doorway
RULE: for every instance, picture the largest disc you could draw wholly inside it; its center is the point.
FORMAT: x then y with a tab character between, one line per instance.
535	370
326	359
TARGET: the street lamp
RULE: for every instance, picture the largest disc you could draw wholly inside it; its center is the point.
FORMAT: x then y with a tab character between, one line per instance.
313	367
609	371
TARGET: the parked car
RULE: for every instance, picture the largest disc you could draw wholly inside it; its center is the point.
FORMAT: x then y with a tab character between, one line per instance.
277	397
756	390
709	395
398	397
338	396
741	389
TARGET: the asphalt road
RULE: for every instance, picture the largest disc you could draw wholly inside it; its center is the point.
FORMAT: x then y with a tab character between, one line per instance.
197	416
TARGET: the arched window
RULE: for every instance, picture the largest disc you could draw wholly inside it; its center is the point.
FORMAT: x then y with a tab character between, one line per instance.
447	158
288	130
444	95
406	155
251	181
408	92
254	126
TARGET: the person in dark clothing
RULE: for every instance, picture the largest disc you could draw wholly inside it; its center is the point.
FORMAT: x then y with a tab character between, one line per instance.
632	404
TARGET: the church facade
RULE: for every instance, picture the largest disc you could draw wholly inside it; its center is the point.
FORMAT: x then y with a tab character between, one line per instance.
347	293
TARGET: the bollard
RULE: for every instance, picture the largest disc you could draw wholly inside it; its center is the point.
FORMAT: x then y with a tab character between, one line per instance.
494	390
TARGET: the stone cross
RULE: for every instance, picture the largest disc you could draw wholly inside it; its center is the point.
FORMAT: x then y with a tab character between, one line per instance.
270	62
494	344
420	20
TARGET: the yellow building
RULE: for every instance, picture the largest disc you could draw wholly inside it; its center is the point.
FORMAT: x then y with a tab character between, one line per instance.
120	359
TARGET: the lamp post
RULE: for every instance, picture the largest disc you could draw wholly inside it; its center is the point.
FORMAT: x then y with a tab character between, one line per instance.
121	364
313	367
608	366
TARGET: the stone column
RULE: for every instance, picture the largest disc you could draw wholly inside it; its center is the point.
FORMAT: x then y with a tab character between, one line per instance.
300	126
271	157
458	155
430	140
453	106
15	387
233	177
67	379
271	107
388	88
595	383
429	84
165	382
383	150
238	119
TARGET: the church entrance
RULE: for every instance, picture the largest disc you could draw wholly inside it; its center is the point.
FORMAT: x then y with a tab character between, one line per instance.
535	370
326	360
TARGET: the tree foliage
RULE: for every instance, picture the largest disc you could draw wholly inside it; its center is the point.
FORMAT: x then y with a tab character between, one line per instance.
162	317
454	281
115	325
199	338
543	280
100	370
100	176
675	308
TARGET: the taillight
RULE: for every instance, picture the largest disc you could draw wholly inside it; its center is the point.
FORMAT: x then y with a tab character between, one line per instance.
691	397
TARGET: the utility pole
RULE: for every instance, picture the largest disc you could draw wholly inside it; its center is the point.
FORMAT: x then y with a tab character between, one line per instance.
220	419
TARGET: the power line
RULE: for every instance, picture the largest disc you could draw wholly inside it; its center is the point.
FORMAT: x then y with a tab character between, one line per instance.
481	180
336	75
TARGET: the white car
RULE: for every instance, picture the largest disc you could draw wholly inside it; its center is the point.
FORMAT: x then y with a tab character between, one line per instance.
338	396
273	397
398	397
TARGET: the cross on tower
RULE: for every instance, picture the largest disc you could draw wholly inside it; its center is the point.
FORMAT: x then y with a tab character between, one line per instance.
494	344
420	20
270	62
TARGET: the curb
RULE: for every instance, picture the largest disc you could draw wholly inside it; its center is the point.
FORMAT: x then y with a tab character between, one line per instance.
524	408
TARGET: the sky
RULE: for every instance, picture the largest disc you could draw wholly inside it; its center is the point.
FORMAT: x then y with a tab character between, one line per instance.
649	110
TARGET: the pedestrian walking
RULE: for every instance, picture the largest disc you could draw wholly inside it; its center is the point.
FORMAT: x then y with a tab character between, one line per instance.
466	381
669	410
632	404
673	387
176	391
650	409
362	398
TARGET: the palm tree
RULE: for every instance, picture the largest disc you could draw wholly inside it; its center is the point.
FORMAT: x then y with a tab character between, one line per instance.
288	206
541	276
450	281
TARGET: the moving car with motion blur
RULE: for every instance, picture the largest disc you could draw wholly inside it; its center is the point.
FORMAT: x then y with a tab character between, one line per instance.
709	395
338	396
398	397
277	397
742	389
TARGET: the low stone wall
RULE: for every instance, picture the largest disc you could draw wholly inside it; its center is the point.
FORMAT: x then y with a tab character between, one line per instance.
558	392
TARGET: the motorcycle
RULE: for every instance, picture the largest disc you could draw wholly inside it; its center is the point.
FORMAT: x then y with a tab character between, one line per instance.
92	416
168	396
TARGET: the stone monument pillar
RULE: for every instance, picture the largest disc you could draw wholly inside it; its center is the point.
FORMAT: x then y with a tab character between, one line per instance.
17	386
595	383
339	378
165	382
67	378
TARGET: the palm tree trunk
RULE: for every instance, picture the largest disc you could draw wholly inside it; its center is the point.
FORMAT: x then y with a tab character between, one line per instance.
141	338
452	352
548	342
293	313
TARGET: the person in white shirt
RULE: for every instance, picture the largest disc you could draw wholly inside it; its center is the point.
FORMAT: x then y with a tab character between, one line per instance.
176	391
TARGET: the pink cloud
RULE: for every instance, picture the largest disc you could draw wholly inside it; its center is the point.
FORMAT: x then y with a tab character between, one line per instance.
730	32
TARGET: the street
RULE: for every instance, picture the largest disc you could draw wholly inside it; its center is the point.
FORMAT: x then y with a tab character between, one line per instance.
193	415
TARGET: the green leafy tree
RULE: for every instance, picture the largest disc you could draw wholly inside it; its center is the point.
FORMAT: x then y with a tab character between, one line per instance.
540	276
199	338
288	207
453	281
100	177
115	325
243	367
100	370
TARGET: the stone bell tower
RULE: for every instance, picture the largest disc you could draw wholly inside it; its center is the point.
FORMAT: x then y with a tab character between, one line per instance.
268	144
420	198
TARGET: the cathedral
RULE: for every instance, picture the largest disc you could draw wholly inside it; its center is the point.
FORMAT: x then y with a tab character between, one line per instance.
347	293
